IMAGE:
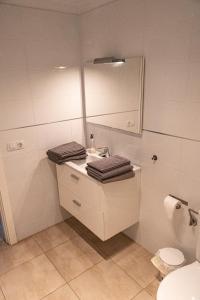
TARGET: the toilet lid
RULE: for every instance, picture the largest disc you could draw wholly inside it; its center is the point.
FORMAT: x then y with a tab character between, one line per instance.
182	284
172	256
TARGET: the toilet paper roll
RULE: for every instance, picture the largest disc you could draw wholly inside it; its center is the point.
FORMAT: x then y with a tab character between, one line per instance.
170	205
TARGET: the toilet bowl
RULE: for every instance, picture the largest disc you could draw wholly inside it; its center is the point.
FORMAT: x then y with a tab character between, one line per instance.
182	284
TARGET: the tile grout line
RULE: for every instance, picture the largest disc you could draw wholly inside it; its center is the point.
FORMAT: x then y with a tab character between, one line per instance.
53	291
55	267
85	271
37	244
137	294
133	279
131	276
15	267
77	275
81	275
62	277
74	292
147	286
117	266
45	251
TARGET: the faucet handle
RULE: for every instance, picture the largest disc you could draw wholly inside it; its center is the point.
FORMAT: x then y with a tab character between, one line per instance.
104	151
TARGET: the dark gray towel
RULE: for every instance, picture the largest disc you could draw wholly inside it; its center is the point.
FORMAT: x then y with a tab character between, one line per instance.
112	173
67	150
108	164
60	161
121	177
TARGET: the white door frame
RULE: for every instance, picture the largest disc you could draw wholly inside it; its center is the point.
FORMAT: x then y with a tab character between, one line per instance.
5	209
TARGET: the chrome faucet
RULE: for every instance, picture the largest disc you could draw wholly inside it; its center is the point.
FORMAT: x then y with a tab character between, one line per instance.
103	151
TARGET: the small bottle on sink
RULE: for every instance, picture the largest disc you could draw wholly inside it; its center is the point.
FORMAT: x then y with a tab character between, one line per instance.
92	144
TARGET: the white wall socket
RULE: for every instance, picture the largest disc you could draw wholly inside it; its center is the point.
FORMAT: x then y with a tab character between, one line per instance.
14	146
130	124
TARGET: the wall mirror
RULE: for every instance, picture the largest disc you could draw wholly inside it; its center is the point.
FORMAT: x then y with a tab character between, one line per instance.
114	93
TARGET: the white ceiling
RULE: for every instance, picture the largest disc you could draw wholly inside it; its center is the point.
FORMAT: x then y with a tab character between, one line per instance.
67	6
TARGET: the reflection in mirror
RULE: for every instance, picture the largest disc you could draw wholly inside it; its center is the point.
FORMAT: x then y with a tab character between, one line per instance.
114	94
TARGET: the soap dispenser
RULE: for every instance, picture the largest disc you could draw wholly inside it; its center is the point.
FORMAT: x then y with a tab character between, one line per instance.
92	144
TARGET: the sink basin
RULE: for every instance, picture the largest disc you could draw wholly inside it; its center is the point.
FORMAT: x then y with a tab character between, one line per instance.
80	165
89	158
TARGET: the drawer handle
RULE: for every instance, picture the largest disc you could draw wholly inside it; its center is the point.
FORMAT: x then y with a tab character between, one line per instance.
77	203
74	177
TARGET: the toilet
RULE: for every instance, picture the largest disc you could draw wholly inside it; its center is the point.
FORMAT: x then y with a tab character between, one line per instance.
184	283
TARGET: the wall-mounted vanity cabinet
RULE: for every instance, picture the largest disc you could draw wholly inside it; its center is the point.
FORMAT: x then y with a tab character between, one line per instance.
106	209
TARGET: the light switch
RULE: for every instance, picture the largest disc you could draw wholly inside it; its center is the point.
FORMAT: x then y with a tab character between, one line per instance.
14	146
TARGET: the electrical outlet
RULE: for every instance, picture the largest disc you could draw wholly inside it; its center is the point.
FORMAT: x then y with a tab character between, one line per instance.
130	124
15	146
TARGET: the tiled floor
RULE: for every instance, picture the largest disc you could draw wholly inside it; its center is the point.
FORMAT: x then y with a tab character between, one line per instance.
68	262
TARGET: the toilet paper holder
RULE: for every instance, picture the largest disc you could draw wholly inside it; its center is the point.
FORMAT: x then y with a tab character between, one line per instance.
193	219
178	206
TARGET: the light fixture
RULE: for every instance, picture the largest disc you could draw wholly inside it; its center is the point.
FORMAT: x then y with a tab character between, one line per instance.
60	67
109	60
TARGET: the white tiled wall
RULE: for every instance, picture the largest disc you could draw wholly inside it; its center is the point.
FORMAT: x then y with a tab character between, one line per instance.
33	43
33	92
31	177
167	34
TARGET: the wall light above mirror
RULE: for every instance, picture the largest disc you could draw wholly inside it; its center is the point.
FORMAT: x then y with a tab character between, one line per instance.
114	92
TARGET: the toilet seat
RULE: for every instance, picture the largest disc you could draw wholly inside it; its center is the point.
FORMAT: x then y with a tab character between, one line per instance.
182	284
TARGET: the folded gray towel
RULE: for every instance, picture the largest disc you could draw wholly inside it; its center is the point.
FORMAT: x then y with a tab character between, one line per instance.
67	150
63	160
121	177
116	172
108	164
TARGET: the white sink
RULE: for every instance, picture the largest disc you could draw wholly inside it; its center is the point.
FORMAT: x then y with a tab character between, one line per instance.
80	165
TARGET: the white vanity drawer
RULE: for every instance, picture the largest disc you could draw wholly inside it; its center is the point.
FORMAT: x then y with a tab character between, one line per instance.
89	216
106	209
69	201
85	189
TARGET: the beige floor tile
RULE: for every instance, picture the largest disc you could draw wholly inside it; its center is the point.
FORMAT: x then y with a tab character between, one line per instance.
105	281
63	293
153	287
32	280
143	296
137	263
12	256
1	296
54	236
70	260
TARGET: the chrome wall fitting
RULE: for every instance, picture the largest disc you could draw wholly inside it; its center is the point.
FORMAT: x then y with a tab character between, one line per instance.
193	217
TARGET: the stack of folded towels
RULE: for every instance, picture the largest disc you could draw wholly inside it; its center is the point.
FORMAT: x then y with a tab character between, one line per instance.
67	152
113	168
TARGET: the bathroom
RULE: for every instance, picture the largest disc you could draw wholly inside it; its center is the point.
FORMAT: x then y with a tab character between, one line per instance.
45	48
